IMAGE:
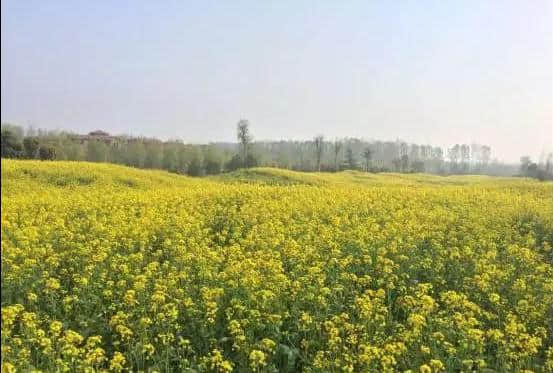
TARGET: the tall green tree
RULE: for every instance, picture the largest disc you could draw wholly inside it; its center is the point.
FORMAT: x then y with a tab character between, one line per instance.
194	167
318	144
234	163
11	146
244	138
404	163
337	148
169	161
30	146
17	131
74	151
96	151
47	153
351	162
154	155
465	158
136	153
549	164
367	155
454	154
525	163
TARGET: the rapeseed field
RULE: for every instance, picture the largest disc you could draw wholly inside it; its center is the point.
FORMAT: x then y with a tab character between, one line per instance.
107	268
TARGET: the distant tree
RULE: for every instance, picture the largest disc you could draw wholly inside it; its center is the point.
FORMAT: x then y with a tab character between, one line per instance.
176	156
437	159
30	146
194	167
476	154
302	149
251	161
234	163
212	167
543	170
153	158
283	159
404	161
549	165
182	158
31	131
485	155
525	163
418	166
465	158
59	151
169	161
351	162
426	152
454	153
437	153
244	138
414	152
403	149
11	146
46	153
96	151
213	158
367	155
136	154
17	131
532	170
336	147
318	144
396	162
74	152
541	175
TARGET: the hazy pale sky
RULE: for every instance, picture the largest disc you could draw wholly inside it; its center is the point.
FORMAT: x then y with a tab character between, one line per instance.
436	72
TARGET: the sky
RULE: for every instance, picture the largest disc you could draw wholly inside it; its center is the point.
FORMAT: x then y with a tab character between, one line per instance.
433	72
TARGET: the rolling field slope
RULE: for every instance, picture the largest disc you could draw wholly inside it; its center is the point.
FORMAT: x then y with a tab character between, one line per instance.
264	270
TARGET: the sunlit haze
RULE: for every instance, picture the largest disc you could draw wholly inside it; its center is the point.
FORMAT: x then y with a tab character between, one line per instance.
435	72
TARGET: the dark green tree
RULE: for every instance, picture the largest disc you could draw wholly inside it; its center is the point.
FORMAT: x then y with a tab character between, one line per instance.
234	163
244	138
30	147
367	154
11	146
318	144
212	167
337	148
96	151
525	163
251	160
404	163
46	153
351	162
169	161
418	166
153	158
397	164
194	167
136	154
454	154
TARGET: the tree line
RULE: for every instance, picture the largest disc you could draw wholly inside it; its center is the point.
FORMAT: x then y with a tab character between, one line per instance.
318	154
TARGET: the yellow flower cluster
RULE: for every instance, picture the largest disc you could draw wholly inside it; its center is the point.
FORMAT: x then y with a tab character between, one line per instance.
106	268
